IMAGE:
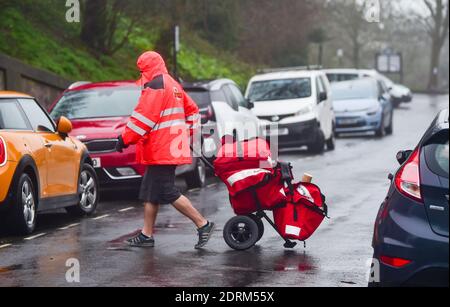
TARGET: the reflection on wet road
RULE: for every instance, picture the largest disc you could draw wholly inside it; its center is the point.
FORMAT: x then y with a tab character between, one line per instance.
354	178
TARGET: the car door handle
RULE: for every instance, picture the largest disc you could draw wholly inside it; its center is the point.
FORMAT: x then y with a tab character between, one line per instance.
48	145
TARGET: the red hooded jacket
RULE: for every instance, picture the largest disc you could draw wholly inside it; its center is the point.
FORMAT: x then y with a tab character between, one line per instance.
164	119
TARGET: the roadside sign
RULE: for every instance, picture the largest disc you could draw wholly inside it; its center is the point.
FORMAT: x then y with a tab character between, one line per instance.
389	62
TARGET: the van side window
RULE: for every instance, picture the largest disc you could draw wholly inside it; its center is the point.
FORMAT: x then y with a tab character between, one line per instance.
320	88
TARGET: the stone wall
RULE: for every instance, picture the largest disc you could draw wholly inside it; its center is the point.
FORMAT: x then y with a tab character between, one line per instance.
18	76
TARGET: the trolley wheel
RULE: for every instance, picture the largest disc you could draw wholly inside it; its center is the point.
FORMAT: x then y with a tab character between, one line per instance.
241	233
260	224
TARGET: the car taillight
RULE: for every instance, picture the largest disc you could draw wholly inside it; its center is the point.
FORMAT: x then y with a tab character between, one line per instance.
206	116
407	179
395	262
2	151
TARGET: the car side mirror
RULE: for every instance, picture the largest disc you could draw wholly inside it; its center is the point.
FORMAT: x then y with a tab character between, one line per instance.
403	155
64	126
323	96
250	104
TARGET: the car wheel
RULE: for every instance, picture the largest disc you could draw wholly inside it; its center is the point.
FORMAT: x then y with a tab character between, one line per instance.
22	220
390	128
381	132
331	142
241	233
318	146
88	193
197	178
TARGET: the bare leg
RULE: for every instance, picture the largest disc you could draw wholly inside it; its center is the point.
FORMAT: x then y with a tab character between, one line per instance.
184	206
150	213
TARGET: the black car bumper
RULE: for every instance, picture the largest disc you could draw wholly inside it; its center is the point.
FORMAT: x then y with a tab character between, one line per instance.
299	134
109	180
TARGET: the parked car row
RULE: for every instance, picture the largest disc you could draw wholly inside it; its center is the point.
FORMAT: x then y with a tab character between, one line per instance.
62	159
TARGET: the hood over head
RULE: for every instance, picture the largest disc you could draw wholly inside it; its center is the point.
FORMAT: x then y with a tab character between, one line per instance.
151	65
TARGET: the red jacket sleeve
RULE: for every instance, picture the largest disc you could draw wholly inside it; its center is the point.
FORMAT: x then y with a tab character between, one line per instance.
145	116
192	114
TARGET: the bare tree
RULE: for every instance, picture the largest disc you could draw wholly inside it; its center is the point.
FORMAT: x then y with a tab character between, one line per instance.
102	20
351	26
437	27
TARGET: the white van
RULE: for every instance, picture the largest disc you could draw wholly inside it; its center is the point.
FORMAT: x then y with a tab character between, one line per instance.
299	102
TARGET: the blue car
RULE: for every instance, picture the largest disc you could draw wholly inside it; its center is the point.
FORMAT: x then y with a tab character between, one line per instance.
411	230
361	106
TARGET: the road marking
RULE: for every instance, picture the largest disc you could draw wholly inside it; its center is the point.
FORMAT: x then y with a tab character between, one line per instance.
5	246
212	185
100	217
194	190
126	209
69	226
35	237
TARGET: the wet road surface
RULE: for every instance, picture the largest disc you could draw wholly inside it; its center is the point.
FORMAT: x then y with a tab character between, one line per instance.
354	178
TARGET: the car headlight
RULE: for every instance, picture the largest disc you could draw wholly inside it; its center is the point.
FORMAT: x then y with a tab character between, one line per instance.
373	111
305	110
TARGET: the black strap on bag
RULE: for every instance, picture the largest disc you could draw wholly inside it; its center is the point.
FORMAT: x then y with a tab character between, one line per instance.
286	175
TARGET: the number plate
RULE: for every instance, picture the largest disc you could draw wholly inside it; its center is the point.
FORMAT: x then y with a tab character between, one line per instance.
348	121
275	132
97	162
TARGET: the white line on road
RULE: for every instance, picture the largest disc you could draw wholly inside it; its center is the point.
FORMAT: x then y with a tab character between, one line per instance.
35	237
194	190
69	226
5	246
212	185
101	217
126	209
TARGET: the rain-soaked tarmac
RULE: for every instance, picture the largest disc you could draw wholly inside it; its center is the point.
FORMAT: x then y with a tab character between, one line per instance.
354	178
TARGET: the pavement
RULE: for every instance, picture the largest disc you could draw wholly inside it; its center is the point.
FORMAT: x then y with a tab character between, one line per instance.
354	178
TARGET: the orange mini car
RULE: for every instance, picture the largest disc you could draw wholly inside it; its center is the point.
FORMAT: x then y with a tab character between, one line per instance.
41	167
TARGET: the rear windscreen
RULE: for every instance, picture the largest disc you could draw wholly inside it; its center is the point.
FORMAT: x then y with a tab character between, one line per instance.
437	154
201	97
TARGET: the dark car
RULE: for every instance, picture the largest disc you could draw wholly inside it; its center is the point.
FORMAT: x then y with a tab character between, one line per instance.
411	231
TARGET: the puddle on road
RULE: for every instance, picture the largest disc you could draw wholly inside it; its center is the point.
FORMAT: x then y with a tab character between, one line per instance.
292	261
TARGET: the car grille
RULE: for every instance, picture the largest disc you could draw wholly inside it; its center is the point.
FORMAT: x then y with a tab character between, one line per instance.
356	122
271	118
99	146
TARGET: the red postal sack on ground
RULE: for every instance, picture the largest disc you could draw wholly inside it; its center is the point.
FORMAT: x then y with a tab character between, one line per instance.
301	217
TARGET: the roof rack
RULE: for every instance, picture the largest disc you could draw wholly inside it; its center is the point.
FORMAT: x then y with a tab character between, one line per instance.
294	68
78	83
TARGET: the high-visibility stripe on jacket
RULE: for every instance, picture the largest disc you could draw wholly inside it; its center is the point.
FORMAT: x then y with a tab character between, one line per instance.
164	119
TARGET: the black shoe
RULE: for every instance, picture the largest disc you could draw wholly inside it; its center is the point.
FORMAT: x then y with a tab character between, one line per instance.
204	234
141	241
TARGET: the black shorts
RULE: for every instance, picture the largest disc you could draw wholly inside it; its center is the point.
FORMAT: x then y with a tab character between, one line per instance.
158	185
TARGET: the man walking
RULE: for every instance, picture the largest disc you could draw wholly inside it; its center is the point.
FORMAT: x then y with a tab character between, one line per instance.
161	126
